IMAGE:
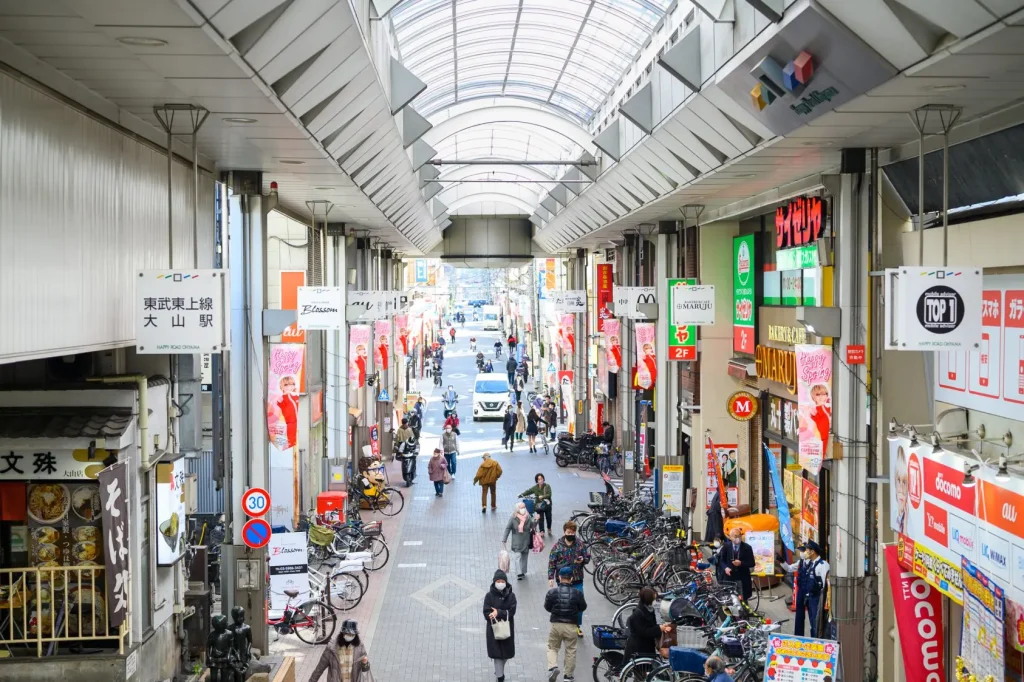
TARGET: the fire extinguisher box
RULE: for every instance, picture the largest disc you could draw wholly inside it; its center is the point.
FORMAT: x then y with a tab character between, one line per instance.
332	502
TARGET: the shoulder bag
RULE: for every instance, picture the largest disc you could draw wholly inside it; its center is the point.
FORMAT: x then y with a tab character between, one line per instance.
501	629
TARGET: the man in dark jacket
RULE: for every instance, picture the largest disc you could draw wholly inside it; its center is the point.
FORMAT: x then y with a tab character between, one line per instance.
642	625
508	425
569	552
510	369
736	559
500	604
565	604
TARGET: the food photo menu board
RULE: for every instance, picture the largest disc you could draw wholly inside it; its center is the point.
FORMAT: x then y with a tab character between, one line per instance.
64	524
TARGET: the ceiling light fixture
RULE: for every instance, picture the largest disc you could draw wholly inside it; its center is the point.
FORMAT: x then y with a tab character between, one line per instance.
324	189
238	119
140	41
744	175
291	162
947	88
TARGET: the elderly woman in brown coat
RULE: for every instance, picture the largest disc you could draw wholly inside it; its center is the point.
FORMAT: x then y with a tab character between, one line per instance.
347	662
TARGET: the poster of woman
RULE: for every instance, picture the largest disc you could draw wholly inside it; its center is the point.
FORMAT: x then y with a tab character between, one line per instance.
283	378
358	352
814	404
382	344
613	345
568	330
646	365
402	327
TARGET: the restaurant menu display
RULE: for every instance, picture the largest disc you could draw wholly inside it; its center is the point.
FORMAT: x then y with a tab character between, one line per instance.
801	659
981	642
64	524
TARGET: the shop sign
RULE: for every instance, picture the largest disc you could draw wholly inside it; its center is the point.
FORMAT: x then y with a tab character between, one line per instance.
935	309
319	308
375	305
206	373
629	299
855	355
291	281
742	406
919	619
114	500
789	335
682	339
793	659
51	465
744	293
181	311
421	271
797	258
800	223
982	637
170	512
792	285
605	285
778	365
288	567
569	301
693	305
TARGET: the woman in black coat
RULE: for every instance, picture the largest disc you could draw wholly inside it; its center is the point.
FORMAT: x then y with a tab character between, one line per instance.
644	631
500	604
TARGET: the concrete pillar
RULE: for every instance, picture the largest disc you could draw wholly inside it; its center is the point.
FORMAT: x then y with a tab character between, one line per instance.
579	282
627	275
337	394
666	390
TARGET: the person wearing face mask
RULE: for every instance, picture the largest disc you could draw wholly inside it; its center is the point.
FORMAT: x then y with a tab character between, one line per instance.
811	582
347	663
569	553
642	626
450	447
487	476
735	560
499	605
714	669
566	605
436	468
508	426
520	527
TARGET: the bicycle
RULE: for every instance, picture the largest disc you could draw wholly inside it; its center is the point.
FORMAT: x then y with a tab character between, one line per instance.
313	622
340	587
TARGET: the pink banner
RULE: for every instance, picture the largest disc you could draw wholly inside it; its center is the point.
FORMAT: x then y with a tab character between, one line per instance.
919	618
358	353
381	343
814	403
402	329
646	364
567	332
283	378
613	344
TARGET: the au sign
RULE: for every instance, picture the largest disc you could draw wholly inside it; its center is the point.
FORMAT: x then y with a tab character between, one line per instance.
799	223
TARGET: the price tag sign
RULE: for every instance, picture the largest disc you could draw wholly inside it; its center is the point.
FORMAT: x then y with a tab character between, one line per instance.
256	502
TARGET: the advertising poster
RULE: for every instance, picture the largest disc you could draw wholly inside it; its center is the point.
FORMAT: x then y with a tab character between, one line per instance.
801	659
789	480
982	639
814	403
672	501
682	340
284	374
646	364
605	283
567	332
716	454
939	573
402	334
763	544
288	568
565	386
1015	625
744	294
382	344
291	280
113	489
919	619
358	354
809	504
613	345
170	512
62	524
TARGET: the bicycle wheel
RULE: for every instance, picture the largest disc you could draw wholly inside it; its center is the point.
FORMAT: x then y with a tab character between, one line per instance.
380	552
389	501
755	597
607	666
620	466
315	621
621	584
623	613
345	591
638	669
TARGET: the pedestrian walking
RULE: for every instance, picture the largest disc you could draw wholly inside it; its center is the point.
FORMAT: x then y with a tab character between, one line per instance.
487	476
642	626
811	579
550	419
533	422
451	333
511	344
566	606
736	559
510	369
508	425
569	553
520	527
520	387
348	662
450	447
499	608
520	422
541	492
437	467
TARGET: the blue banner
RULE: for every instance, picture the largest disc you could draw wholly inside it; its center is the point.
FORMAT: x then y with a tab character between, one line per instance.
421	271
785	526
520	349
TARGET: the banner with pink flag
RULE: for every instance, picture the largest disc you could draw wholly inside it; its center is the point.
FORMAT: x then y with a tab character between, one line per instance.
381	343
358	354
613	344
814	404
402	329
567	332
646	364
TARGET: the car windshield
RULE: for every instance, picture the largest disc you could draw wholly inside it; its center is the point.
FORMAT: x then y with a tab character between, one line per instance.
491	386
490	316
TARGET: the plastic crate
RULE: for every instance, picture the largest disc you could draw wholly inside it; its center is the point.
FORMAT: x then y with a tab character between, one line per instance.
686	660
691	637
607	637
614	526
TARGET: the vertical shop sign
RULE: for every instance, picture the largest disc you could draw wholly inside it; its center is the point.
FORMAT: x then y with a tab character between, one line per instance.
284	375
288	567
421	271
613	345
358	354
181	311
785	524
604	294
170	512
814	403
682	340
382	344
744	292
919	619
982	640
113	496
646	363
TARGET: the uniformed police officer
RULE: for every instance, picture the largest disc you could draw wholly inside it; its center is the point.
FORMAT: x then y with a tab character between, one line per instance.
811	581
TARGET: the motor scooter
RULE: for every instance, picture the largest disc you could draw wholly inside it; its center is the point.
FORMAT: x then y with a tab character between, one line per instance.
406	452
449	407
480	362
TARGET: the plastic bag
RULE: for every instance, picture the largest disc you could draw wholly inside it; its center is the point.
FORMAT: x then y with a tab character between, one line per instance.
538	543
504	560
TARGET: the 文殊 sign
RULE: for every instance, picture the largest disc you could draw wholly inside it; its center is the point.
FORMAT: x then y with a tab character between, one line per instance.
25	465
181	311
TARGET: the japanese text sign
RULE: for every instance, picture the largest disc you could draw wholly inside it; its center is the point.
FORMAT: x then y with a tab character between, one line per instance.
682	339
38	465
801	659
744	293
113	496
181	311
571	301
605	275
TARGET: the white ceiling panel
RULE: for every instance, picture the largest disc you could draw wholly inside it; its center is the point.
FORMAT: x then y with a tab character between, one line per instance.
186	66
131	12
305	21
217	87
237	14
180	40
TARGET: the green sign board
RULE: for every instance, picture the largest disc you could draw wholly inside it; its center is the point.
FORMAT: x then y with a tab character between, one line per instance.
797	259
744	294
682	341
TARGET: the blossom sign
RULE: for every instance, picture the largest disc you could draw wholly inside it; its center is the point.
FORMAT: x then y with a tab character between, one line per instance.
814	404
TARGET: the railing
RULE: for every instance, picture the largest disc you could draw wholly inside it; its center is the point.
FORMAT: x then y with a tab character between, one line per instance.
52	605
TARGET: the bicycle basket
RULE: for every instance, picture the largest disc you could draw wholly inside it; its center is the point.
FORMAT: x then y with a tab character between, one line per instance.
372	529
690	637
732	647
607	637
321	536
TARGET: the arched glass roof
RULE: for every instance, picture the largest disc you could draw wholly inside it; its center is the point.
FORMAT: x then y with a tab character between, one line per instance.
563	54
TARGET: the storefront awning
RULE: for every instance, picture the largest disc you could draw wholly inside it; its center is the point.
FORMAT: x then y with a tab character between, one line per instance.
66	428
742	368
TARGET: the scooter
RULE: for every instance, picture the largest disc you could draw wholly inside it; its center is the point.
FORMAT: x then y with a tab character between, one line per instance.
572	451
406	453
480	362
449	407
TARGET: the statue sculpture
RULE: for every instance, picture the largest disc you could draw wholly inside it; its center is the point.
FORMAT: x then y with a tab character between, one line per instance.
220	651
241	645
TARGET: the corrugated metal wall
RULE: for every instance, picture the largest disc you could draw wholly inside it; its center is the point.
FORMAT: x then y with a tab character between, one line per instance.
209	500
82	207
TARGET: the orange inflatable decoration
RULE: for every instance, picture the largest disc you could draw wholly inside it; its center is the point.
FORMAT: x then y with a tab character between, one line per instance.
752	522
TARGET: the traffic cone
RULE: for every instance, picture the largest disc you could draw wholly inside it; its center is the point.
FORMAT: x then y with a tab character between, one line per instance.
647	467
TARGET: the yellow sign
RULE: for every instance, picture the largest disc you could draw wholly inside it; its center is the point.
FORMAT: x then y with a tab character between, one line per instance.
788	335
778	365
936	571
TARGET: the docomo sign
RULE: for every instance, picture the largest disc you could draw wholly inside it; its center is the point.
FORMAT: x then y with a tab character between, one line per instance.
917	608
742	406
944	483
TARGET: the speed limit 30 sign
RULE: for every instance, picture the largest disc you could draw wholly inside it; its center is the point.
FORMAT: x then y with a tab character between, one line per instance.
256	502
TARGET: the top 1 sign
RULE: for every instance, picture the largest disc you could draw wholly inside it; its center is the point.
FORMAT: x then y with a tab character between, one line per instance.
181	311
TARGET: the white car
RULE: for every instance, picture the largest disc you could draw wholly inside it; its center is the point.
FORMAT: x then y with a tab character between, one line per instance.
490	396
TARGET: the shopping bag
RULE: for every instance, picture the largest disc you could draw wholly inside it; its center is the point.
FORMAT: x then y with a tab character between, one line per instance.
538	543
447	477
504	560
501	629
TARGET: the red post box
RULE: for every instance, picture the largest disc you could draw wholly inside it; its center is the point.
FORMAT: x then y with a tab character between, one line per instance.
332	502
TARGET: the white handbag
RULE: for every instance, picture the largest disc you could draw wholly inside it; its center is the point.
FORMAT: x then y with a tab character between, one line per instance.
501	629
